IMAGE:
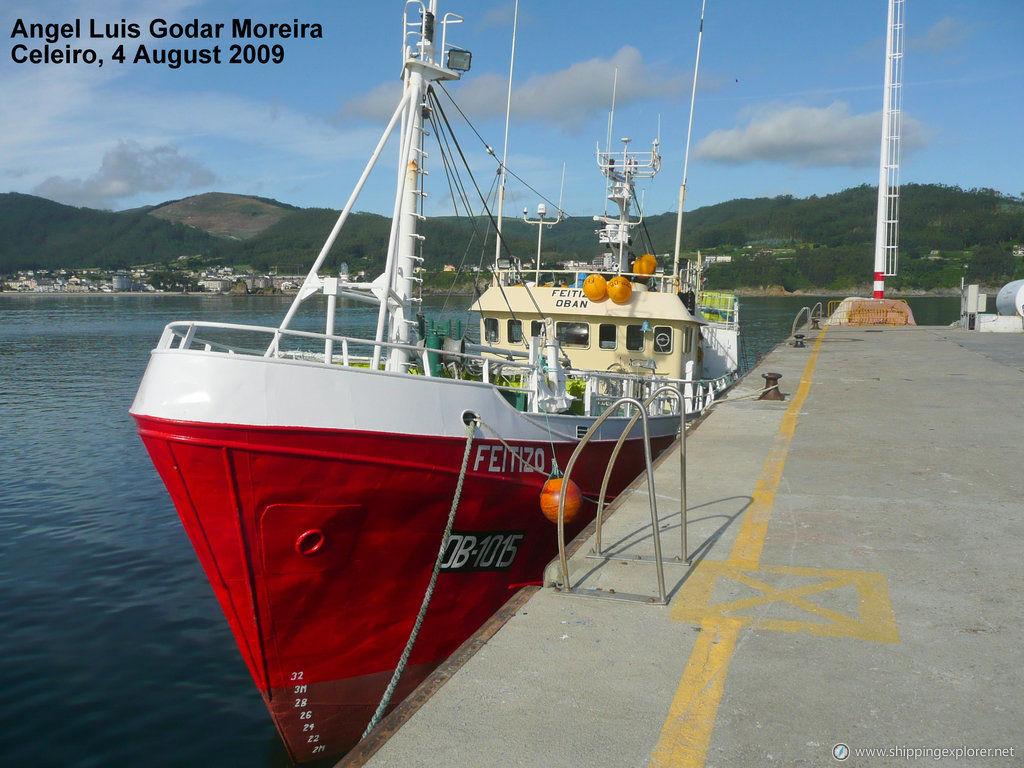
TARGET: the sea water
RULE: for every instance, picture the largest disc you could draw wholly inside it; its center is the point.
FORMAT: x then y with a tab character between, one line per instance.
113	649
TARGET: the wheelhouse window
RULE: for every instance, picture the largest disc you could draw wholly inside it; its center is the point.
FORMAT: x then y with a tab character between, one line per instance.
663	339
573	334
515	331
606	336
491	330
634	338
536	328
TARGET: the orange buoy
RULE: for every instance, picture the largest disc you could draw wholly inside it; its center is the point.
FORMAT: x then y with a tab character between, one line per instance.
619	289
595	287
645	265
551	496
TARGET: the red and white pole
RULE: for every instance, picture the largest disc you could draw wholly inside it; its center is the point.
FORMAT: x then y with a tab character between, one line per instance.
879	292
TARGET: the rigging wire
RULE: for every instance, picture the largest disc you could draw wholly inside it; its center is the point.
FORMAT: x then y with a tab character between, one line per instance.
436	105
445	140
454	183
490	151
462	155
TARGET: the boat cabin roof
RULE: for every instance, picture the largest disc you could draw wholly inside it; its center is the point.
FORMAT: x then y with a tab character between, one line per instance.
569	302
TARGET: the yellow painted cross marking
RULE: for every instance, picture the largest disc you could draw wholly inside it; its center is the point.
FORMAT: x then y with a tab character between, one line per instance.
874	620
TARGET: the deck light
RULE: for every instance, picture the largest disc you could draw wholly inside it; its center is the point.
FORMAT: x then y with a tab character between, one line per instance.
459	60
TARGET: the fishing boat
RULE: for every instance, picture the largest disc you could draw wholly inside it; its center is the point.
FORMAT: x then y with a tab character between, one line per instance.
362	505
622	315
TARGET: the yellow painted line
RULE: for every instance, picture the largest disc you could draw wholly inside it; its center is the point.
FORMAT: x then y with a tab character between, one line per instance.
746	551
687	730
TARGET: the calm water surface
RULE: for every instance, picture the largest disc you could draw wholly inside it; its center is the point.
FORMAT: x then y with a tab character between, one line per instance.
113	649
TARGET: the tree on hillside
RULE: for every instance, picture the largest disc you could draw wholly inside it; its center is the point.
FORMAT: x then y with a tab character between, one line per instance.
991	265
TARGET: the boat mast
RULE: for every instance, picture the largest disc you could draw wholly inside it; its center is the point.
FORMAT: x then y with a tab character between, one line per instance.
621	170
395	286
504	154
887	218
686	157
423	63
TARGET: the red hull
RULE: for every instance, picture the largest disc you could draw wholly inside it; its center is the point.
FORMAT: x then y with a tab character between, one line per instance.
320	544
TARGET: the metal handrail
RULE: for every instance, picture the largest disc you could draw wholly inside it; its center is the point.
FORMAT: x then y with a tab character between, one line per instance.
188	337
185	336
701	393
184	333
813	313
640	414
667	389
796	320
650	489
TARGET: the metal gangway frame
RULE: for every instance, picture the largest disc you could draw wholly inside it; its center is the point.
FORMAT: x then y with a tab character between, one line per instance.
657	558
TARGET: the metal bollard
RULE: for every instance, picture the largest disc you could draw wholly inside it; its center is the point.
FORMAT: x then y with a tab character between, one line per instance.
798	340
771	385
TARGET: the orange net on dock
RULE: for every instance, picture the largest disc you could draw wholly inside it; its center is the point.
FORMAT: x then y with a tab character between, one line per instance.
856	311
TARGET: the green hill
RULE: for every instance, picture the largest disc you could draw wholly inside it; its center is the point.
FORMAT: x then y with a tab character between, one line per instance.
824	242
39	234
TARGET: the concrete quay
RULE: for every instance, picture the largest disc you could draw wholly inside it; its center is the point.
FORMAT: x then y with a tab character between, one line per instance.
855	585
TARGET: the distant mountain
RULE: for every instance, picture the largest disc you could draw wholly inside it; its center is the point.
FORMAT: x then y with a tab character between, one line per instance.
239	217
261	233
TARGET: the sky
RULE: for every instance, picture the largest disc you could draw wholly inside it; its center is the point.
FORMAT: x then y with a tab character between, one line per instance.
788	100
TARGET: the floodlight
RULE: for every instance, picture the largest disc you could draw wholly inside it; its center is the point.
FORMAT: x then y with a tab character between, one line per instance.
459	60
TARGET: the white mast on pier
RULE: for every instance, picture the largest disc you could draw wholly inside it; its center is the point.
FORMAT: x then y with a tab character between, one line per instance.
887	219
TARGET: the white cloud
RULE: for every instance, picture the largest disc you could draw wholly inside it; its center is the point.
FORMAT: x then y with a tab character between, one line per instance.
125	171
806	137
66	145
377	105
568	98
944	35
500	16
571	97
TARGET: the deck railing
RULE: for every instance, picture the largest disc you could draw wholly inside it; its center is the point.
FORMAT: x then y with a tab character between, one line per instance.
512	374
573	278
347	351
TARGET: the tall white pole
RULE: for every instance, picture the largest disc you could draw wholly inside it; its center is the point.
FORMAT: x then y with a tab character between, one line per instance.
504	154
887	214
686	158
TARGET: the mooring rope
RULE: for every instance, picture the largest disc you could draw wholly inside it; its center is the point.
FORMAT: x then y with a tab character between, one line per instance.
390	691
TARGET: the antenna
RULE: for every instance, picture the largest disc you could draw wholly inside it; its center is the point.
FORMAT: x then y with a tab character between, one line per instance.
611	112
504	155
611	119
686	159
561	191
